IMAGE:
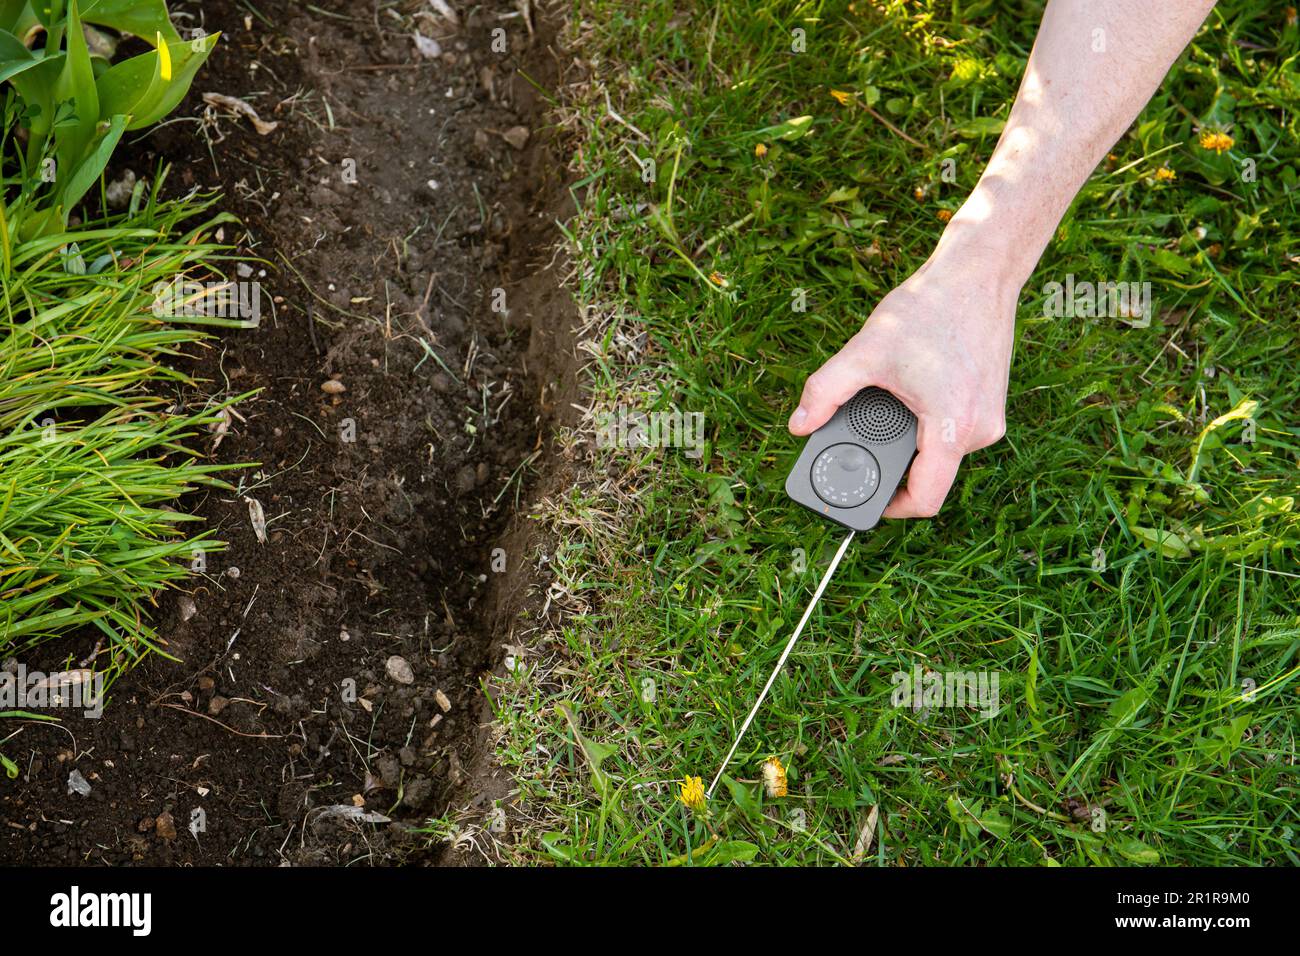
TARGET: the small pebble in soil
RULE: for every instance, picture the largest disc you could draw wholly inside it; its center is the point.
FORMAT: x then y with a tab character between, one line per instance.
77	783
399	669
466	479
389	771
516	136
165	826
417	792
119	191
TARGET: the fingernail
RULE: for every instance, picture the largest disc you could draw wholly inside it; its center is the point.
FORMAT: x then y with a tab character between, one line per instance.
799	417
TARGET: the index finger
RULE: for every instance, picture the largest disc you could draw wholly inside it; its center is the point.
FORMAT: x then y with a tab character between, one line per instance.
928	482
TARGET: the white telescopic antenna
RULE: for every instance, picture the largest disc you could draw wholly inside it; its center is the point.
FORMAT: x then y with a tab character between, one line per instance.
826	579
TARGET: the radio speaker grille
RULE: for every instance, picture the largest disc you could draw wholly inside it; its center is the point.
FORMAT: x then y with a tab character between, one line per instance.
877	416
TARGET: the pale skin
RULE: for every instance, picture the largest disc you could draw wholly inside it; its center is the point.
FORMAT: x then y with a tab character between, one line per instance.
941	341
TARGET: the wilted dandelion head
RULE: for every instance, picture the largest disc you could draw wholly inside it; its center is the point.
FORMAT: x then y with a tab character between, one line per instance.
774	781
1218	141
692	794
943	215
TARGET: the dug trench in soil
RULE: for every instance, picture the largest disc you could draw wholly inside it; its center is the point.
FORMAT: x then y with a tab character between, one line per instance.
383	502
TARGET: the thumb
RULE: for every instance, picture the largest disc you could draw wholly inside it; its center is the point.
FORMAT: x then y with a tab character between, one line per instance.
826	389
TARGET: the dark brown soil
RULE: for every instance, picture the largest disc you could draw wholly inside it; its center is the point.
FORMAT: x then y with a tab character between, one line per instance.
378	547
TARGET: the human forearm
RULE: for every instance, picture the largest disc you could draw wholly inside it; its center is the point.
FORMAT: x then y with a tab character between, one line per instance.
1094	65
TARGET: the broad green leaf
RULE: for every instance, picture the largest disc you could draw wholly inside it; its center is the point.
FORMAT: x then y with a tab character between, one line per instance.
33	78
14	57
843	194
742	797
791	129
559	846
995	823
39	222
1166	542
1126	706
74	263
132	86
49	12
1227	739
595	753
1244	409
981	126
1171	262
11	12
88	173
76	82
185	64
1135	851
144	18
729	851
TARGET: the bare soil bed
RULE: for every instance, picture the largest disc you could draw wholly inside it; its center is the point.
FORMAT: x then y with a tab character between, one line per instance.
379	547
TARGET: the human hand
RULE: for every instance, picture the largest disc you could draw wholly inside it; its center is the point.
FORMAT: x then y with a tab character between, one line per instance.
942	343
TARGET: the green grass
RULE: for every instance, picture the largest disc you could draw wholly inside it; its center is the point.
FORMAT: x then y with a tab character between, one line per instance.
94	446
1122	688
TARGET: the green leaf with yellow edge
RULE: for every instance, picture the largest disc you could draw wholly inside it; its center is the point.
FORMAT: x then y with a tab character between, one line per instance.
791	129
132	86
1243	410
121	85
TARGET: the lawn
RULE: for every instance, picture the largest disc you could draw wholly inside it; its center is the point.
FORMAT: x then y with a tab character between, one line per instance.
1123	562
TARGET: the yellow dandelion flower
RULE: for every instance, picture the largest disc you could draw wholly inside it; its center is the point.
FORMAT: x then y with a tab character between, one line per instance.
841	97
943	215
718	279
760	150
1165	175
1218	141
693	794
774	781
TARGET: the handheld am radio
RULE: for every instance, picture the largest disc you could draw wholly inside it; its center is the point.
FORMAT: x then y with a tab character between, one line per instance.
851	466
